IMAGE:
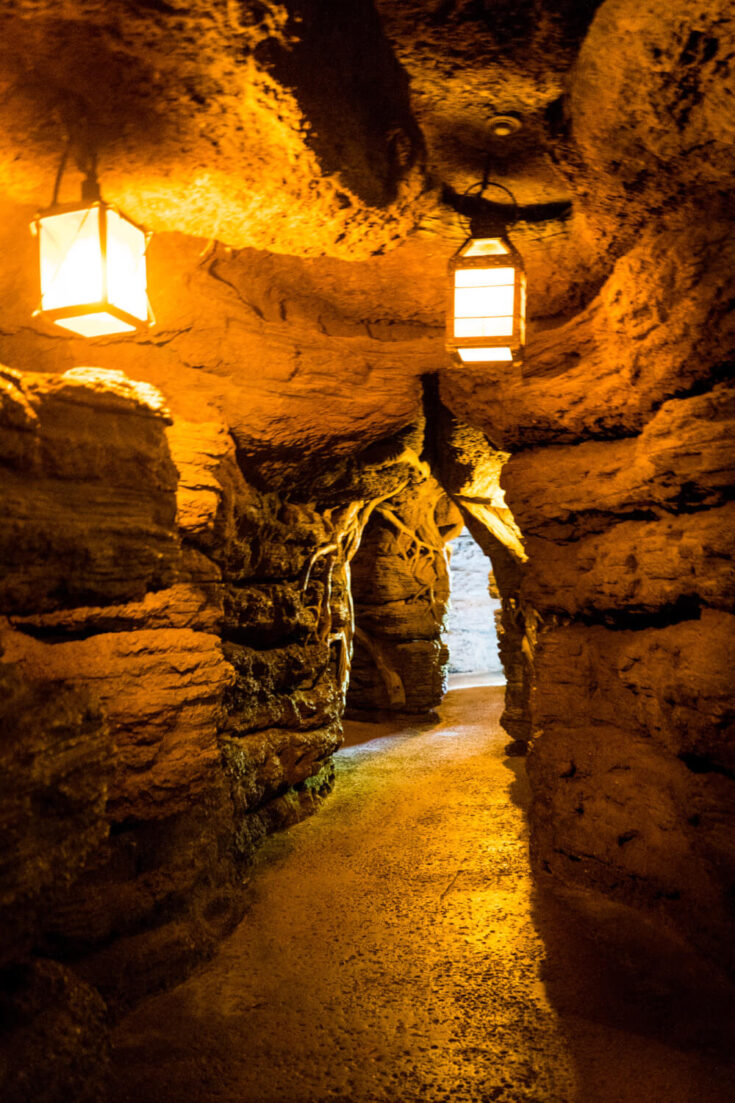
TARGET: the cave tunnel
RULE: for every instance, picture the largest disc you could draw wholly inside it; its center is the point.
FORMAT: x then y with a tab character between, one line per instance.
257	845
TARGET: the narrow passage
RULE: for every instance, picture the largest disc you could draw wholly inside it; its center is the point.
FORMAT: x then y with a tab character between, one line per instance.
391	953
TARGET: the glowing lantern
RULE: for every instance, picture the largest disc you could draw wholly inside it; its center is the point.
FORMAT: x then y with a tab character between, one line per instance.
487	311
93	269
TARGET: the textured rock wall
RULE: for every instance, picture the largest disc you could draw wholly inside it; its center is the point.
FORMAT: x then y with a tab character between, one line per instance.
175	588
630	570
175	649
118	612
401	588
620	474
623	493
210	121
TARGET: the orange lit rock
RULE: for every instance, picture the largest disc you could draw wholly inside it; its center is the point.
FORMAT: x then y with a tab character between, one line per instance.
180	521
400	584
651	103
139	679
209	122
681	461
88	484
636	567
657	330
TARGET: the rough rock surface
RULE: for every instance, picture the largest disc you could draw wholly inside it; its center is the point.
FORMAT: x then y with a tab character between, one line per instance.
401	588
55	1035
192	672
208	121
178	521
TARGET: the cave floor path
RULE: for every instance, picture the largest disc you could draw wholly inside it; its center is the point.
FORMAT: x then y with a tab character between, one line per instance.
392	953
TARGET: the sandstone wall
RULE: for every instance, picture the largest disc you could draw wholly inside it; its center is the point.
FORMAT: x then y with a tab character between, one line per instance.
175	649
632	759
619	435
176	586
400	582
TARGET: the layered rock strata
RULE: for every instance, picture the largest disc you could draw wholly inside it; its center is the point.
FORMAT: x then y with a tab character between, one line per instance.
175	650
176	594
620	476
401	589
630	575
625	600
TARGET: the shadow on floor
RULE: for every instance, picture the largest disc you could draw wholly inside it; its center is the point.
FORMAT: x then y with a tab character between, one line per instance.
645	1016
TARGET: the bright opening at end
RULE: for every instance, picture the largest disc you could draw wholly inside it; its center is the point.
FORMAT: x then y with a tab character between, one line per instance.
470	632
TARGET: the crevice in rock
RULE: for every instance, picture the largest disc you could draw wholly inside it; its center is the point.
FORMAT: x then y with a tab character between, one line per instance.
705	764
685	608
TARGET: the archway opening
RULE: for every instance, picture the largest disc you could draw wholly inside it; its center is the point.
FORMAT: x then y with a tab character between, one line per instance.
472	617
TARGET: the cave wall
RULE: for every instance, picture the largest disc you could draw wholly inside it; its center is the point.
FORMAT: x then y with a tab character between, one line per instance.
175	651
400	585
160	718
218	123
632	753
620	473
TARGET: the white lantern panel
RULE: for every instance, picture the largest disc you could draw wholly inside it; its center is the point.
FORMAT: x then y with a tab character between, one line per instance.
484	277
488	302
483	327
71	261
99	324
474	356
486	247
126	269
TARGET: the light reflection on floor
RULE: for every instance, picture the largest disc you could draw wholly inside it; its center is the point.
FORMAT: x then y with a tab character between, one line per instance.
397	950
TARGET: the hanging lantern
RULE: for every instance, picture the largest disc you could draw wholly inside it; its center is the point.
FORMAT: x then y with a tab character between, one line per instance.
486	320
92	263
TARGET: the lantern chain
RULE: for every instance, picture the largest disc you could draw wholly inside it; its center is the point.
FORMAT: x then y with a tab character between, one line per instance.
60	172
87	165
482	186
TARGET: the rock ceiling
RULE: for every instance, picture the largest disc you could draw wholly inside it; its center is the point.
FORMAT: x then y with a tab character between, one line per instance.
302	165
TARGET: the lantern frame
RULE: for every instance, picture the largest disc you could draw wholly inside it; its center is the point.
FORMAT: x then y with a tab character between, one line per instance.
512	343
103	305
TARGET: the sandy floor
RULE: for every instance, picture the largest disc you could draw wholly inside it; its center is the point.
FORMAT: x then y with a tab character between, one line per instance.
395	950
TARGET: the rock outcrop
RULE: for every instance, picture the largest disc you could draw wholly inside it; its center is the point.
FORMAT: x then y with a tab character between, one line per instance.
401	589
210	122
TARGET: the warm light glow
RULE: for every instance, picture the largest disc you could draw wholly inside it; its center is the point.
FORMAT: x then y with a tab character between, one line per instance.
484	277
486	318
93	270
483	327
486	247
95	325
71	262
483	302
126	275
484	355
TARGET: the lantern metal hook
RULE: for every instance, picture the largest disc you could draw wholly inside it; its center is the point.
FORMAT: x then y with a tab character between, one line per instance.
481	187
87	163
60	172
